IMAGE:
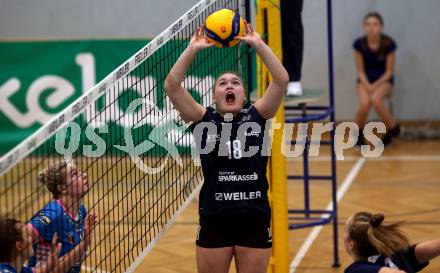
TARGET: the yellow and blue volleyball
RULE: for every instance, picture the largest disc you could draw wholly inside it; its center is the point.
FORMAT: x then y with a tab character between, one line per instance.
223	26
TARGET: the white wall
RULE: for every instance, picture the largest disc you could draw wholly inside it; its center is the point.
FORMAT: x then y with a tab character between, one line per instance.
88	18
415	25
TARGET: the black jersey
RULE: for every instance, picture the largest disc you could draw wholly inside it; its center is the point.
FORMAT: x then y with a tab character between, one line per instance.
374	62
405	260
235	167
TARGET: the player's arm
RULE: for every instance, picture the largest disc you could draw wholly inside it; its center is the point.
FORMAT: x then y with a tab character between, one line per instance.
361	70
67	261
182	100
390	270
52	258
268	105
427	250
389	70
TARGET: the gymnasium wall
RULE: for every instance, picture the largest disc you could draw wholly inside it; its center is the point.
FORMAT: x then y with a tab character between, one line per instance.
415	27
413	24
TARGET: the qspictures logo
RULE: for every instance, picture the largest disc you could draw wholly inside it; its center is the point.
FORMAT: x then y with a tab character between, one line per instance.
166	136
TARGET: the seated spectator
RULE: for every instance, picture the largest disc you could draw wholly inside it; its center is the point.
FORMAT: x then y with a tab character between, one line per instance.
375	58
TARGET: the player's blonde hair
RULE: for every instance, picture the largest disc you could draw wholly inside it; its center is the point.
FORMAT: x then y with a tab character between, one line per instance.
53	176
372	236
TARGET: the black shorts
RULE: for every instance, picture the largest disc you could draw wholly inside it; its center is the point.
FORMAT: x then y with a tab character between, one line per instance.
255	233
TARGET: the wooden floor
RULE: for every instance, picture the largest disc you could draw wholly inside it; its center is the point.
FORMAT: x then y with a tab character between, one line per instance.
404	183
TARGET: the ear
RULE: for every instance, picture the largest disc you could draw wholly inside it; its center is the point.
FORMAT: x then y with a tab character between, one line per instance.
19	246
351	245
61	188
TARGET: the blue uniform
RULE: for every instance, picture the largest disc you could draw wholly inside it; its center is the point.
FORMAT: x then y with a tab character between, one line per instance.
7	268
374	62
233	204
404	260
54	218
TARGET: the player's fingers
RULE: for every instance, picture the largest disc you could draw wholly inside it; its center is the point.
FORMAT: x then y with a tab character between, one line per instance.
54	239
208	44
92	220
194	36
245	26
58	249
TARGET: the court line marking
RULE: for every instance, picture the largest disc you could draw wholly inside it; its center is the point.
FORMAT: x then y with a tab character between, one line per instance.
150	246
380	158
406	158
349	179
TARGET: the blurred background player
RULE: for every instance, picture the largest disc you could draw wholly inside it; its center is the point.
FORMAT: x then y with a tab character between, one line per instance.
292	33
16	247
377	247
375	58
64	215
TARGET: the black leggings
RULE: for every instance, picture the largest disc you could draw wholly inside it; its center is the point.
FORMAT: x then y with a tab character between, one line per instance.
292	37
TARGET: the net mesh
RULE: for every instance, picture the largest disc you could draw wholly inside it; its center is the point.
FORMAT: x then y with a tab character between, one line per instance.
129	140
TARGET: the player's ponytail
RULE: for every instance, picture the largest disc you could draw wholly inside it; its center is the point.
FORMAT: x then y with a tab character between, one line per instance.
372	236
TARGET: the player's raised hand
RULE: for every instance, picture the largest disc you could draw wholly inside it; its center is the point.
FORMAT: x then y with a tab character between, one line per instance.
251	37
199	41
55	246
89	226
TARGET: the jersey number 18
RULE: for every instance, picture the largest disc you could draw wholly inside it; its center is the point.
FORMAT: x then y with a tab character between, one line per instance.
234	150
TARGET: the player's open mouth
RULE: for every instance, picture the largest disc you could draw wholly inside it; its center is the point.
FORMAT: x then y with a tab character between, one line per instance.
230	98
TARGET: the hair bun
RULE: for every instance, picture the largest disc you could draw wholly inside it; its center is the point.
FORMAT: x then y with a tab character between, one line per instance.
377	219
42	177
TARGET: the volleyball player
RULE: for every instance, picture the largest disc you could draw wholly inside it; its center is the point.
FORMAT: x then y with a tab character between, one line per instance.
377	247
16	248
233	205
64	215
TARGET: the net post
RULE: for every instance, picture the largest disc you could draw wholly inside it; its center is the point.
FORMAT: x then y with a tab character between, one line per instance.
245	6
268	24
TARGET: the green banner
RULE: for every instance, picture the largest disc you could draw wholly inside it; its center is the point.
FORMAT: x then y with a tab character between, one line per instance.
39	79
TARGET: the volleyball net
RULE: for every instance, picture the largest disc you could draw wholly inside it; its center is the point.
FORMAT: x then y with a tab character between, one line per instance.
125	134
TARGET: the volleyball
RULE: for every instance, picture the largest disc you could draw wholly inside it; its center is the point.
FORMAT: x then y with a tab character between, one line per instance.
223	26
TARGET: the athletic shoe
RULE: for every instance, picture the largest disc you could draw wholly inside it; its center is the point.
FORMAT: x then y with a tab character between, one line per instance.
294	89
